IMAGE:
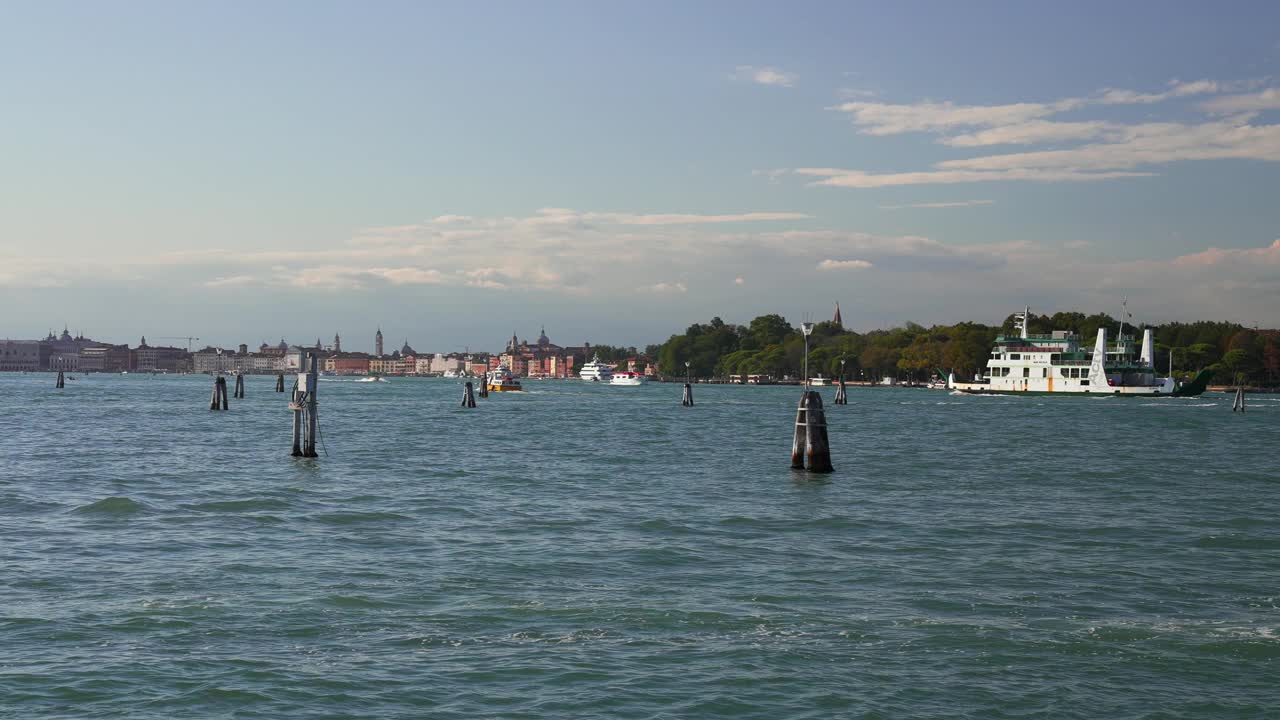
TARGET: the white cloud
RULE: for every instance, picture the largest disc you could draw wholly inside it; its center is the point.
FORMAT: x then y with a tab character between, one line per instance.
833	177
845	265
665	288
764	75
1028	133
232	281
887	119
935	205
1268	99
1112	96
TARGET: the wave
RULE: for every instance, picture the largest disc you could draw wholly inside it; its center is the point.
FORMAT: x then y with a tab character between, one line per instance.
113	506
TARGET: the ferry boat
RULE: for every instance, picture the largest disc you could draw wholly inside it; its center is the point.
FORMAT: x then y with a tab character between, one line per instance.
627	378
501	380
1058	364
596	371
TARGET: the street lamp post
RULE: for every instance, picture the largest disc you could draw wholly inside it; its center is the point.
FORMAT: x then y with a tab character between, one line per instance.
807	329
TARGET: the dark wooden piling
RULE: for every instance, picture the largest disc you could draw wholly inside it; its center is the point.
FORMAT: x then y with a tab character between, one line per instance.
842	397
484	385
239	394
219	399
62	382
687	399
809	447
816	447
468	396
305	409
1238	404
280	382
797	444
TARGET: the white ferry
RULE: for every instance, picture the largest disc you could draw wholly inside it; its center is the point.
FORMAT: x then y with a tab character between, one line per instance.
501	380
1058	363
627	378
596	371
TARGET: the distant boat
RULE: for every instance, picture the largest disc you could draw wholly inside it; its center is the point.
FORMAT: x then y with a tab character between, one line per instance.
501	380
627	378
372	378
596	371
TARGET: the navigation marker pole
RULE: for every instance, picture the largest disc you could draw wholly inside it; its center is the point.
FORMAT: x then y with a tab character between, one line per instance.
280	382
239	394
687	399
810	445
62	383
304	408
841	397
468	397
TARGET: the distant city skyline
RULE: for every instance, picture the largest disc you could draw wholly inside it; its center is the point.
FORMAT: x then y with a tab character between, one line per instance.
239	172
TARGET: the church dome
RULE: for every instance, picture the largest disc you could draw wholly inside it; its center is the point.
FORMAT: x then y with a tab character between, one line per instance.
543	340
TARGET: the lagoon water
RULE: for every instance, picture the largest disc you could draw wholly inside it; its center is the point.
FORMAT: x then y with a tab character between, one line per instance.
581	551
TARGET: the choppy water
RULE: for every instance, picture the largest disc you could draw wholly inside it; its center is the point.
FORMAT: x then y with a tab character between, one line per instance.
595	552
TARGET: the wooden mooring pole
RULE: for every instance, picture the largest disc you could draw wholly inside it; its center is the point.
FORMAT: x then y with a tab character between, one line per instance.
280	382
1238	404
468	396
842	397
484	385
62	382
219	399
810	448
239	394
305	421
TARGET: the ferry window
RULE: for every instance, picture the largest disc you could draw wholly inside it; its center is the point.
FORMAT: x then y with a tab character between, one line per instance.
1055	358
1026	372
1015	356
1044	373
1006	372
1084	382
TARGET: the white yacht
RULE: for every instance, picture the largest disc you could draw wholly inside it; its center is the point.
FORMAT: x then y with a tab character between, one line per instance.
627	378
1057	363
596	371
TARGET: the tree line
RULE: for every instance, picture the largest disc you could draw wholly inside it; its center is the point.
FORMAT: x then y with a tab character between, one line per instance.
769	345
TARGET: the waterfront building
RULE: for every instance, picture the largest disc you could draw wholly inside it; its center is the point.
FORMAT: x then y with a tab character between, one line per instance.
19	355
543	358
106	358
347	364
160	359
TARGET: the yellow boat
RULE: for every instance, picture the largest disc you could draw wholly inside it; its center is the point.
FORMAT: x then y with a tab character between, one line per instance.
501	380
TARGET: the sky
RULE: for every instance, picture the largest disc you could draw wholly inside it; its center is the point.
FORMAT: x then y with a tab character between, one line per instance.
451	172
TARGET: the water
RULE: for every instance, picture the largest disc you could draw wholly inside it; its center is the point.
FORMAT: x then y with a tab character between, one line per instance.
595	552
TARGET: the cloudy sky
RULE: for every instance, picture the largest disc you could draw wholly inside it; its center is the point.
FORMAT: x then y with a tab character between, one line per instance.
246	171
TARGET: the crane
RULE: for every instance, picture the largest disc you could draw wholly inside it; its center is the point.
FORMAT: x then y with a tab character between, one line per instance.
188	338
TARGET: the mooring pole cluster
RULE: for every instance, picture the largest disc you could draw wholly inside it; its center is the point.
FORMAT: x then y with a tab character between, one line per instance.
62	382
1238	404
484	385
468	396
239	393
304	408
810	449
219	399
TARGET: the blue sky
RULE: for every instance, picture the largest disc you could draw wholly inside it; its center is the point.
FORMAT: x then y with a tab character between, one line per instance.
243	171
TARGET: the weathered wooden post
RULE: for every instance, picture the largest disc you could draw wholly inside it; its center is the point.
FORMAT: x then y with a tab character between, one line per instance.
62	383
484	385
841	397
280	382
305	420
219	399
468	396
1238	404
797	444
817	449
239	394
687	399
810	446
